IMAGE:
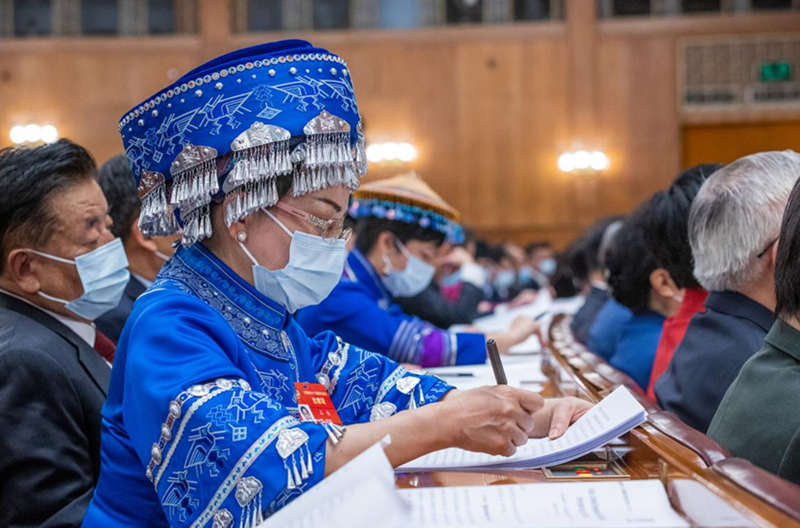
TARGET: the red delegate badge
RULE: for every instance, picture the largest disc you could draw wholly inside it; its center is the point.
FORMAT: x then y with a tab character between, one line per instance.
314	404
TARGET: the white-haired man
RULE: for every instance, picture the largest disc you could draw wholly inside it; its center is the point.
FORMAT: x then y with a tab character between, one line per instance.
733	227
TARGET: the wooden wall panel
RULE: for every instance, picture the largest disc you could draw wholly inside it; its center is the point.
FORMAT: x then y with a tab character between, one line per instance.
727	142
489	108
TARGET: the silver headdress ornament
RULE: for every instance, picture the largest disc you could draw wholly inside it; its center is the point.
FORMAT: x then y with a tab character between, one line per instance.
326	158
279	109
155	216
260	155
194	176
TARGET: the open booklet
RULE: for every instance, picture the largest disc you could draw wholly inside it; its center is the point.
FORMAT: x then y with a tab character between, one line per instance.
640	503
615	415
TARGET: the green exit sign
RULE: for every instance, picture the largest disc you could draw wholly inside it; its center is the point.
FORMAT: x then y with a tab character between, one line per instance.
777	71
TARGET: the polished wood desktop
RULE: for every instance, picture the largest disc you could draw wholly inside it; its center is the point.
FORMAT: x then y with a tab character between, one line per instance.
662	448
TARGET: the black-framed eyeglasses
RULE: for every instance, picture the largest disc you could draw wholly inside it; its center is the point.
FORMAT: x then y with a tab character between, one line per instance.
767	248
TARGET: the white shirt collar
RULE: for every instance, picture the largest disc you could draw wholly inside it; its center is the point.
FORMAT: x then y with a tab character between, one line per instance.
145	282
85	331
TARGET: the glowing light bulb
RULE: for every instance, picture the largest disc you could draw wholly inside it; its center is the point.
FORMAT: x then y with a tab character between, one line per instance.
375	153
598	161
33	133
17	134
566	162
49	134
582	159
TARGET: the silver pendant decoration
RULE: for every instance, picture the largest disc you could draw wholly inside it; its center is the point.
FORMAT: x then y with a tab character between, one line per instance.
155	217
407	386
261	154
223	519
382	410
360	151
326	159
335	431
292	445
248	495
194	183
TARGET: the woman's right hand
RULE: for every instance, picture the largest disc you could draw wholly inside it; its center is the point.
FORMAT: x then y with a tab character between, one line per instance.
494	419
521	328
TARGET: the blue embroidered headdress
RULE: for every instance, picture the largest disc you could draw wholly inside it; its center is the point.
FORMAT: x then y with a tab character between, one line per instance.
231	127
406	198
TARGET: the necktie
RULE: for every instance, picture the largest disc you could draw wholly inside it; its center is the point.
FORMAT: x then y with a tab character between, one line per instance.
104	346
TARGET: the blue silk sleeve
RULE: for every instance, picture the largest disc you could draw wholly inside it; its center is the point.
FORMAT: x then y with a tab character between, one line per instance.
356	318
216	451
365	386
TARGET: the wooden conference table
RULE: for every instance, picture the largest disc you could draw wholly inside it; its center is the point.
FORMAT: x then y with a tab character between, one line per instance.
662	448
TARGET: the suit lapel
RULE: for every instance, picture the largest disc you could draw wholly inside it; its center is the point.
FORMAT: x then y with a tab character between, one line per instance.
92	363
134	288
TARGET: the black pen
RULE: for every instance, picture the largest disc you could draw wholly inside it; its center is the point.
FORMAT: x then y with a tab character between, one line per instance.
497	365
455	374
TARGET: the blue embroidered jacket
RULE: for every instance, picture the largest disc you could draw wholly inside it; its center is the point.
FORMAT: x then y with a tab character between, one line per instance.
360	311
200	426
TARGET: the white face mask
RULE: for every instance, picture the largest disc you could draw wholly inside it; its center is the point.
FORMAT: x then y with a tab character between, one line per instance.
410	281
315	267
162	256
104	275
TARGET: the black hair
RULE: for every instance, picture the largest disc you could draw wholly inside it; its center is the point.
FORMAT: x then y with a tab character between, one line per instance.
539	244
630	263
369	228
664	220
787	261
591	240
116	180
29	177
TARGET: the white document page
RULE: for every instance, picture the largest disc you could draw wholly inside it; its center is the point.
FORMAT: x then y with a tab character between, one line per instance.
615	415
501	319
523	373
704	508
361	494
605	504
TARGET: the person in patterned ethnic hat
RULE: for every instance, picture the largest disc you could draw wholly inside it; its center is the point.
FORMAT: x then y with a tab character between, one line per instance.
400	222
252	158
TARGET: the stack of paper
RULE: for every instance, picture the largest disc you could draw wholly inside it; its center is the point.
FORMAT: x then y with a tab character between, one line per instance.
616	414
361	494
641	503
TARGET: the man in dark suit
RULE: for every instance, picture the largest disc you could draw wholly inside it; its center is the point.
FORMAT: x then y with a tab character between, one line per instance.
145	254
60	269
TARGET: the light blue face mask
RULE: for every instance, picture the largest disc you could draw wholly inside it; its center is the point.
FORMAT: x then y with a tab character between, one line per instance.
315	267
452	279
104	275
504	280
525	273
410	281
548	266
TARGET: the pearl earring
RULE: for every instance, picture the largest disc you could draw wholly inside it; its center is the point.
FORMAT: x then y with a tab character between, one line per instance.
241	236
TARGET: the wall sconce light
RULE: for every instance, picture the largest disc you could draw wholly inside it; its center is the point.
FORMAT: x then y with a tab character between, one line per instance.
33	133
391	152
583	161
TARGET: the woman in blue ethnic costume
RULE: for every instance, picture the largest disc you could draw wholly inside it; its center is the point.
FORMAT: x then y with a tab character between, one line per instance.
253	156
400	223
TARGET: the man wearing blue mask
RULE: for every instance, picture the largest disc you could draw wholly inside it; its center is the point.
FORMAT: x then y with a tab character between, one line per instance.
400	223
146	254
61	268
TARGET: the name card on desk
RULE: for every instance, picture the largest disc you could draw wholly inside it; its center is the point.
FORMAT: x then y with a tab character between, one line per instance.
641	503
615	415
